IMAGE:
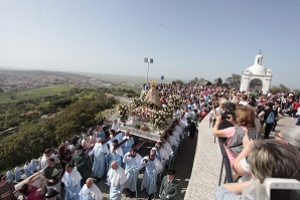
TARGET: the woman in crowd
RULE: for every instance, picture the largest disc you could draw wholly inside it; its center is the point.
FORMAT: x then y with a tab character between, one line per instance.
268	159
30	191
289	135
65	155
245	119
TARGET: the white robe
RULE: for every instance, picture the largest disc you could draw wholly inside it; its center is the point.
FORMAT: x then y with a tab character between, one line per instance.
168	148
163	154
117	178
127	146
132	170
100	151
152	168
72	182
175	134
118	137
179	130
92	193
27	170
172	141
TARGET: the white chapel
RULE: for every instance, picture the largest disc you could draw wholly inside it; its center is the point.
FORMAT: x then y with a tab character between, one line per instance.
256	77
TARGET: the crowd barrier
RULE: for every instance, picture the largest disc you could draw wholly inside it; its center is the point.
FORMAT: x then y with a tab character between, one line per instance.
225	163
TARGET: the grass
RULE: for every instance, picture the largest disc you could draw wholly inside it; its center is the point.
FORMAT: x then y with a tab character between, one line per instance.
32	94
44	91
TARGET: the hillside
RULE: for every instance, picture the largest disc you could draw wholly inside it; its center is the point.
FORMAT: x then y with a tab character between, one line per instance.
47	116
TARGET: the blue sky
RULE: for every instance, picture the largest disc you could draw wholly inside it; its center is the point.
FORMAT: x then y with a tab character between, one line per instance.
186	38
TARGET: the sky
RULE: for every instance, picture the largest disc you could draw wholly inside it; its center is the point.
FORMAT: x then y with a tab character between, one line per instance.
185	38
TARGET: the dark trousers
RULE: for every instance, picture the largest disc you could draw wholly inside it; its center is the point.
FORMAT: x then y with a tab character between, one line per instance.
268	130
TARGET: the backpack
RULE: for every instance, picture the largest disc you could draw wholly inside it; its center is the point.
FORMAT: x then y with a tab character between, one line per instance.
271	118
235	145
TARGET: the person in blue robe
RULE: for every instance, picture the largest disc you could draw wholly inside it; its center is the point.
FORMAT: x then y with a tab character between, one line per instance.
115	136
115	157
27	169
132	161
72	182
90	191
10	176
152	168
32	166
99	152
17	174
117	178
127	146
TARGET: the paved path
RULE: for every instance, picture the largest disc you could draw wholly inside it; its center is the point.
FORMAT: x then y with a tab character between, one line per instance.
183	166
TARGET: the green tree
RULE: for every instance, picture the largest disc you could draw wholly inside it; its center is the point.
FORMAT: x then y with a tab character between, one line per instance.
234	81
178	81
194	81
218	81
280	88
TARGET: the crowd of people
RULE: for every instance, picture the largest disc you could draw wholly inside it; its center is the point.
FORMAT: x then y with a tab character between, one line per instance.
105	152
245	126
113	158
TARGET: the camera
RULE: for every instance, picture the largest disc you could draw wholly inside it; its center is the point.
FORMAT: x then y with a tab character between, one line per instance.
274	189
226	115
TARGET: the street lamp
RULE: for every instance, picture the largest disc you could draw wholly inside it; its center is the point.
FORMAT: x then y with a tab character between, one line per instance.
146	60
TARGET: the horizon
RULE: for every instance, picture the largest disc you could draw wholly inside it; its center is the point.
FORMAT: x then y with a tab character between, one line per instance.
137	79
190	39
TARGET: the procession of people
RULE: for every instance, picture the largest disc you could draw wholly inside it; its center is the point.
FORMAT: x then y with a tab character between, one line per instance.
110	154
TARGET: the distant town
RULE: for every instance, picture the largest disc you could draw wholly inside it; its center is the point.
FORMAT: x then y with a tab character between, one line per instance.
21	79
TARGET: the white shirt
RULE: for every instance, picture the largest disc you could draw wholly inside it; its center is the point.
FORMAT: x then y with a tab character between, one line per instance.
172	141
176	135
90	193
74	176
168	148
179	130
164	154
117	177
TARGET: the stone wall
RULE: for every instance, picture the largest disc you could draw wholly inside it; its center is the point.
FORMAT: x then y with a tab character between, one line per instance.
207	164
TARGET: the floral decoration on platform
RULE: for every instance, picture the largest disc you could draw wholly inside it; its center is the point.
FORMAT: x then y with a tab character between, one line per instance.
123	112
149	108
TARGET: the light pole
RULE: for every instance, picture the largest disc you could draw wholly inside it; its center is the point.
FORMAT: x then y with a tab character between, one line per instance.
146	60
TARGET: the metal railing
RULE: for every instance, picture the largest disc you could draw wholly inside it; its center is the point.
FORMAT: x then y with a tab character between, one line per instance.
225	163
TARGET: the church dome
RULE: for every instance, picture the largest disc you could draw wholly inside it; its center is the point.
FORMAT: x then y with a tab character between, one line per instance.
257	68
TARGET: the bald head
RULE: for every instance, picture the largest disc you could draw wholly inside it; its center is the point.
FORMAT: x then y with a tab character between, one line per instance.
89	182
152	154
127	133
114	165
